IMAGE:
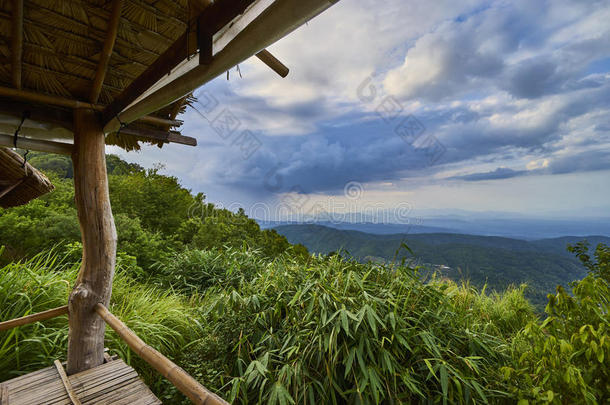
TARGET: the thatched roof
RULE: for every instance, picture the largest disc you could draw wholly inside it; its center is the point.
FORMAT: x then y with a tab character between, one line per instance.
19	182
63	42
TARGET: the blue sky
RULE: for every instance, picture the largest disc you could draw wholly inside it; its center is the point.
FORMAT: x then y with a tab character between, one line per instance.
470	105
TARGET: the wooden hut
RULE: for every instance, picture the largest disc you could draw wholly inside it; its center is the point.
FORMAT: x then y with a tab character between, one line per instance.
19	181
77	75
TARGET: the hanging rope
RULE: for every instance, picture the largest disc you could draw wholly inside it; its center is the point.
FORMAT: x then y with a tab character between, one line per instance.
122	125
24	116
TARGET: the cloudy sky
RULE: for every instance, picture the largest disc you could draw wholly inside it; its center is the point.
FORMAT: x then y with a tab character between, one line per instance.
435	105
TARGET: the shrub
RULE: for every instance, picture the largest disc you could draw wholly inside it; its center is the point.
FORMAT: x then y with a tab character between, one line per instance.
343	332
566	358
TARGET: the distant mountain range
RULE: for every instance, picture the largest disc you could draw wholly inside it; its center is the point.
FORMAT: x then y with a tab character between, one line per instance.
496	261
486	224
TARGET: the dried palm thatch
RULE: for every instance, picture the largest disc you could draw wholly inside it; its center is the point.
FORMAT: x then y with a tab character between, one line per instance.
19	181
63	44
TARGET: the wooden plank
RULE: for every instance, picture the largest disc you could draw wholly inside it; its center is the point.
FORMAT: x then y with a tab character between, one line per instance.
41	316
213	18
111	383
52	391
66	382
17	42
37	112
3	394
59	148
22	382
163	136
113	27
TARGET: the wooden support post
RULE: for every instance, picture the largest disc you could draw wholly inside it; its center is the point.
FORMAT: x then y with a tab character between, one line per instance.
94	281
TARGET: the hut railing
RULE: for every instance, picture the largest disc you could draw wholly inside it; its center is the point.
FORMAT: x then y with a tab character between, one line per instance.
176	375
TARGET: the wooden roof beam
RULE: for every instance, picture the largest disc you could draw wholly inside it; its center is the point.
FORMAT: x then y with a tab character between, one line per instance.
213	18
17	42
113	27
33	97
258	28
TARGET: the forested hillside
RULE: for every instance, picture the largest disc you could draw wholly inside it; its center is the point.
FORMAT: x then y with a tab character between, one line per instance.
483	260
154	216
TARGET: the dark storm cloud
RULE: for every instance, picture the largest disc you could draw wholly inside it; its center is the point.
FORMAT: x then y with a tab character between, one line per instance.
499	173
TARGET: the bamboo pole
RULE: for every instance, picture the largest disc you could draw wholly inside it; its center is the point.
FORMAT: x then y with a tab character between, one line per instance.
35	144
113	27
40	316
33	97
272	24
177	376
274	63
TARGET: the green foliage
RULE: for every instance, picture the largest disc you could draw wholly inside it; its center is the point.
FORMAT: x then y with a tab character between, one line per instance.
154	216
566	358
197	270
220	227
344	332
265	322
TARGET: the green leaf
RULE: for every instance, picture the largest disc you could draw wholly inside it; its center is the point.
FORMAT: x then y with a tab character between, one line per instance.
444	382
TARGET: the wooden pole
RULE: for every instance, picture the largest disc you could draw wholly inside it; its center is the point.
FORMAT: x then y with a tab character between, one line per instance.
35	144
113	27
94	281
17	42
177	376
274	63
40	316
